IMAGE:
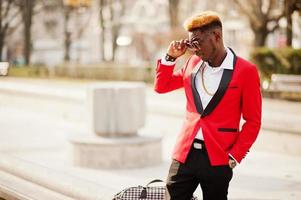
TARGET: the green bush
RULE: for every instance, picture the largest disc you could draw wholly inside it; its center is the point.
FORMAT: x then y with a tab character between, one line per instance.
28	71
277	61
105	71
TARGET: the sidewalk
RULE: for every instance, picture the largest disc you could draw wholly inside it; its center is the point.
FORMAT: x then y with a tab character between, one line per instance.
41	138
277	115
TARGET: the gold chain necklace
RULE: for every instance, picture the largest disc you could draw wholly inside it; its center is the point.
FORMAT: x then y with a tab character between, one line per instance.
203	83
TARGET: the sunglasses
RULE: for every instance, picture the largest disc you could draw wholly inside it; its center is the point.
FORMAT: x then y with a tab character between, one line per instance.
192	44
196	43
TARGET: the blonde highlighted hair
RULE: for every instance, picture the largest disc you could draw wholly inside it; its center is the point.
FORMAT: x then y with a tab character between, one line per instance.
202	20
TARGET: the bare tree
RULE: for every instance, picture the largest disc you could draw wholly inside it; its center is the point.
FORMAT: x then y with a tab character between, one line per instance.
67	34
117	14
73	10
290	7
22	11
27	7
102	27
8	14
111	24
173	10
261	14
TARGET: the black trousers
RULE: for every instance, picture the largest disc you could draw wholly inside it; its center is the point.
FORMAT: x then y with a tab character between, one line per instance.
183	179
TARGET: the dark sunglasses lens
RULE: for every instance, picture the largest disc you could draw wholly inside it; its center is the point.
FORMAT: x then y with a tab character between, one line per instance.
195	44
189	45
192	45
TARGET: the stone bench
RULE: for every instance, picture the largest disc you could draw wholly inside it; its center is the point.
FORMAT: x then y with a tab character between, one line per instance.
285	86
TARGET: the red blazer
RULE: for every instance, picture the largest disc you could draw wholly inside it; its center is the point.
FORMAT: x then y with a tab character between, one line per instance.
237	95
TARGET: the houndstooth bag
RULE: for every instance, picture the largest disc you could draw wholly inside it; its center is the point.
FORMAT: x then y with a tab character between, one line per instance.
143	193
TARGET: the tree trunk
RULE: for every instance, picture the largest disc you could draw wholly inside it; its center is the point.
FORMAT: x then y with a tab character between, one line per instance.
102	27
113	29
67	35
115	33
1	45
0	14
27	17
260	33
289	27
289	30
116	24
173	13
260	38
1	32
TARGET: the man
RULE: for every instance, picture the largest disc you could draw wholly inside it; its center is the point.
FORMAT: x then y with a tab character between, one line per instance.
220	87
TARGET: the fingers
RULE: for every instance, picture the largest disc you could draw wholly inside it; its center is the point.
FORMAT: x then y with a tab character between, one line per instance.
182	44
179	45
177	48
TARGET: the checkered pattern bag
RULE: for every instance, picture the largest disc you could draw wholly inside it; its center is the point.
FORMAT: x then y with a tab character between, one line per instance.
143	193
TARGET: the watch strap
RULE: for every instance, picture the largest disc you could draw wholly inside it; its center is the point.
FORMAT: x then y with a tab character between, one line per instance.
170	58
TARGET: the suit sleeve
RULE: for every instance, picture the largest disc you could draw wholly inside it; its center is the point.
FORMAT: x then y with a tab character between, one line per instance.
251	113
166	79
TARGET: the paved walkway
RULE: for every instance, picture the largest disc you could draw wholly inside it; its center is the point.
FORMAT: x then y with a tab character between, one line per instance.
278	115
272	170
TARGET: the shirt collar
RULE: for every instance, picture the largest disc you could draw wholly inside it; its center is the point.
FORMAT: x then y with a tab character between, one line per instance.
227	62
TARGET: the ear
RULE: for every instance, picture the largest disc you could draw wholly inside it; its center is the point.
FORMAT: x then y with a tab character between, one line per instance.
217	34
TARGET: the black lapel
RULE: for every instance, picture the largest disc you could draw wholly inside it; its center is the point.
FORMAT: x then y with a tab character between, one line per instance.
225	80
235	57
196	96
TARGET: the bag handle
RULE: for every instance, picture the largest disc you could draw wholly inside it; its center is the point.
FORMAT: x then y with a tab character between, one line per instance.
155	181
143	194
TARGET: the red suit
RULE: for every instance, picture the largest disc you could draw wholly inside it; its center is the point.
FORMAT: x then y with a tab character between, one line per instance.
238	95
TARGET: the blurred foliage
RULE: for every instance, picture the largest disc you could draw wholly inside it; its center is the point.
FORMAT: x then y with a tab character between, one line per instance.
105	71
28	71
277	61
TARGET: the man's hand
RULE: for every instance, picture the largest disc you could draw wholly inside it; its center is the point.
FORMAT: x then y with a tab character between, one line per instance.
177	48
232	163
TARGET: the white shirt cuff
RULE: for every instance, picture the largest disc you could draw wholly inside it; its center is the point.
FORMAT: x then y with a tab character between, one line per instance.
233	158
167	63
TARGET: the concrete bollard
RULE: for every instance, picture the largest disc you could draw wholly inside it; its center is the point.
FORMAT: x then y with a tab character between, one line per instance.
116	111
116	108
